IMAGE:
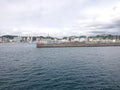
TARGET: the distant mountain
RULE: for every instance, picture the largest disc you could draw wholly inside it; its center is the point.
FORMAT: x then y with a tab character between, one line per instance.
9	36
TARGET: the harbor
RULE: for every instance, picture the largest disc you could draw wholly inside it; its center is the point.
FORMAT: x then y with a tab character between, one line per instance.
59	45
67	41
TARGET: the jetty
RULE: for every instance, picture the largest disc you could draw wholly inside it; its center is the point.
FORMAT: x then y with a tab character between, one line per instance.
76	44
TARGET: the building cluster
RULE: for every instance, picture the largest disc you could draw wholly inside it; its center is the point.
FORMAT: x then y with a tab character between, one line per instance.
51	40
17	39
82	39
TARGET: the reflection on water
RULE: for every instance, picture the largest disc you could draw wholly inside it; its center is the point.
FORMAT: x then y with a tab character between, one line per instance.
25	67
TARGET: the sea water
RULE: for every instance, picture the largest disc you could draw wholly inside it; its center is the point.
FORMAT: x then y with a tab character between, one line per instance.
25	67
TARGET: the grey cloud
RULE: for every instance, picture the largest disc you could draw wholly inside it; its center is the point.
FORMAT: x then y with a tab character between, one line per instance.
107	28
98	32
51	14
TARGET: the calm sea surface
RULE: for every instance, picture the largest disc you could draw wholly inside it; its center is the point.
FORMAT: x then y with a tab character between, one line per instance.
25	67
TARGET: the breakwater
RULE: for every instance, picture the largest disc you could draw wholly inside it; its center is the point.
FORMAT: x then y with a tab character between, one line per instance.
76	44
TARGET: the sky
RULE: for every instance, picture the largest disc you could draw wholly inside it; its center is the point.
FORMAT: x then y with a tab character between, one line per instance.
59	17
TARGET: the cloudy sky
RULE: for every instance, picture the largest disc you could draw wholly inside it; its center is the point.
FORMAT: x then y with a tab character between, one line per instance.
59	17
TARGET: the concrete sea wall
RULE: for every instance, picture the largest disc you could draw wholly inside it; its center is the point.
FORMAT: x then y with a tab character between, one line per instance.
73	44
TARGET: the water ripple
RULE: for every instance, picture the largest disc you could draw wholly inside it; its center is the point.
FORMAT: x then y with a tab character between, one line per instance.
24	67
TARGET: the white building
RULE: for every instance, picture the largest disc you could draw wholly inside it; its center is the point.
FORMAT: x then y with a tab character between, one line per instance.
0	39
